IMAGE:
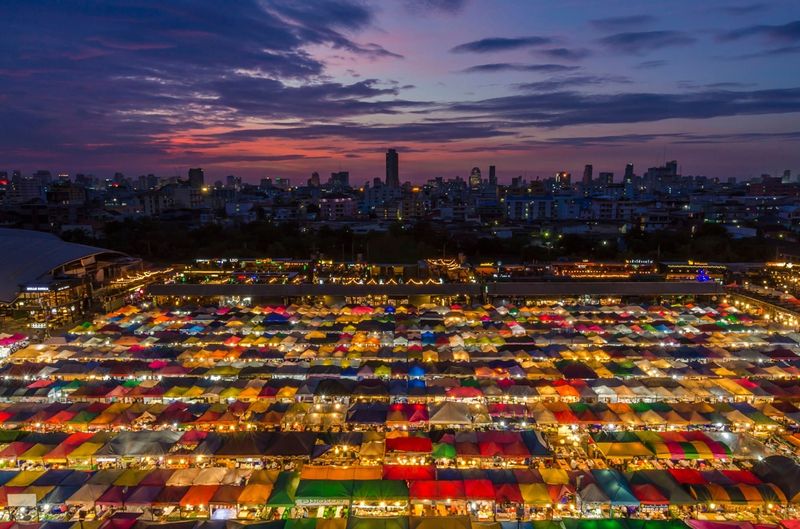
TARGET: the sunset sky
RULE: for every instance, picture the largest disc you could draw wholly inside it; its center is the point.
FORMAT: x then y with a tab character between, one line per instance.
284	88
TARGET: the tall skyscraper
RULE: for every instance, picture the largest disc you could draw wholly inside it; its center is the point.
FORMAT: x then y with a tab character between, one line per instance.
314	180
587	175
340	179
492	176
605	179
475	178
628	173
197	179
563	180
392	168
627	182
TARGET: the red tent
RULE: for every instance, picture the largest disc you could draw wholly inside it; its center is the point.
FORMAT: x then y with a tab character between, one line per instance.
464	392
490	449
409	444
648	494
516	449
409	472
687	476
5	491
742	477
15	449
507	493
437	490
566	417
479	489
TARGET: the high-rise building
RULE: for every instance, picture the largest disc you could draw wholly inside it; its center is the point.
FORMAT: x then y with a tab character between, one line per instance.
628	173
563	180
233	182
605	179
627	182
340	179
392	168
197	178
492	176
314	180
475	178
587	175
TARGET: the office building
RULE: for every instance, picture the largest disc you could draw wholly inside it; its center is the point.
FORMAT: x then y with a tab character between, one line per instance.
196	178
340	179
475	178
587	175
392	168
563	181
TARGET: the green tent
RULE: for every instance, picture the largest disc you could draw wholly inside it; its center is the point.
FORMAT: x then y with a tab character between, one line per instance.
324	491
83	417
578	407
759	418
376	490
9	436
660	407
443	451
544	524
283	492
640	407
615	437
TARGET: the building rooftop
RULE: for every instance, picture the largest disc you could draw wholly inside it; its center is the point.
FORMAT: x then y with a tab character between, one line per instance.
29	256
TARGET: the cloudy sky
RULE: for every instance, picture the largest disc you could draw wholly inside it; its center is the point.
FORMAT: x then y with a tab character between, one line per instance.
283	88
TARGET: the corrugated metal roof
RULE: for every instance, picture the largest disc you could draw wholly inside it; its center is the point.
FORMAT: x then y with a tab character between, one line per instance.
27	256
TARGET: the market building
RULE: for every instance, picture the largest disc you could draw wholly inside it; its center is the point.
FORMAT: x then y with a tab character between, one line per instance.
52	282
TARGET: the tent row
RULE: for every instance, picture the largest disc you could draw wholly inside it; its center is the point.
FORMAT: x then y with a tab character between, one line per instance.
494	381
184	356
194	487
269	414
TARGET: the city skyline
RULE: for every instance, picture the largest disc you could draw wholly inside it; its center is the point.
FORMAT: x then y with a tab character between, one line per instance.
283	89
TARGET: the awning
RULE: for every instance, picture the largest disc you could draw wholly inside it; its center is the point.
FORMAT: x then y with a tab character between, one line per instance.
436	490
254	494
312	491
198	495
283	492
535	493
379	490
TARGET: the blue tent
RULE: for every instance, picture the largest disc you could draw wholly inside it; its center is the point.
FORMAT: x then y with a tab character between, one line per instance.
616	487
